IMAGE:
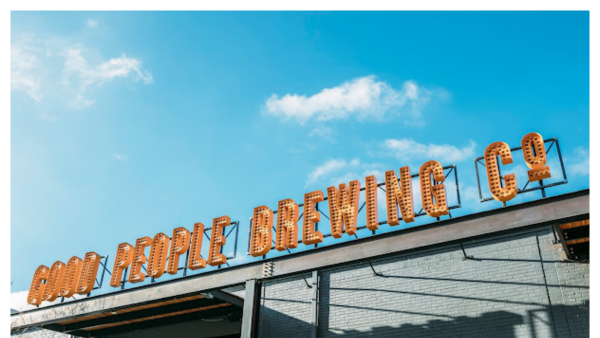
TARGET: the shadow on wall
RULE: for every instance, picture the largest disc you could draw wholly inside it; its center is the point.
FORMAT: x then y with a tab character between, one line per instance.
532	320
501	324
540	320
490	324
500	317
512	286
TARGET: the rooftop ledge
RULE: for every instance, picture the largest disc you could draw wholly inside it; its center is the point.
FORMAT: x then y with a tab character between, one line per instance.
562	208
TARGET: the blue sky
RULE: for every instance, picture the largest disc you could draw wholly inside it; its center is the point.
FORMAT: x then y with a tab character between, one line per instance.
132	123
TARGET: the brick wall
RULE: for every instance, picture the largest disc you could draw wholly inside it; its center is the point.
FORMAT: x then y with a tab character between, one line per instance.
38	333
285	308
514	287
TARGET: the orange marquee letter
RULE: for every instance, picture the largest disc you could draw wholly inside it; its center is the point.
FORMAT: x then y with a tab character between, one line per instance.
54	282
139	259
158	255
509	191
123	259
371	197
396	197
72	276
179	245
536	159
262	224
196	261
343	208
429	192
91	262
36	291
287	225
217	240
311	216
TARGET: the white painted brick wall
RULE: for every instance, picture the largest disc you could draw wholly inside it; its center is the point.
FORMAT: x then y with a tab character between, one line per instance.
283	299
514	287
38	333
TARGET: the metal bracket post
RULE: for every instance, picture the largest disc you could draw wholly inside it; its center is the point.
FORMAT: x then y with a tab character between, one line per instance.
250	310
315	304
465	256
374	272
307	284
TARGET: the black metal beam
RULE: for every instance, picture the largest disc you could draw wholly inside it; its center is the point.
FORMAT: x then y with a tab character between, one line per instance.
227	297
226	311
159	310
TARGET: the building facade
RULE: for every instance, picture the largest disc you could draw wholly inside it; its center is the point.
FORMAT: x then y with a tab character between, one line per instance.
510	272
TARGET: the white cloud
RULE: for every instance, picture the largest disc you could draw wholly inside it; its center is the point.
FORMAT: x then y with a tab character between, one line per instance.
470	202
408	149
326	168
580	163
48	116
80	102
92	23
123	66
336	171
61	72
324	132
79	74
470	193
120	157
363	97
23	75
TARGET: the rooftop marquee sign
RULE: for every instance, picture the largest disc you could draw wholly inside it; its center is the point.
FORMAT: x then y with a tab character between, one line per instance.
280	230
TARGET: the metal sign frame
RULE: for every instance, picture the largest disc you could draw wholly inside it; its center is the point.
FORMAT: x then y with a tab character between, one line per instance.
450	169
542	187
235	227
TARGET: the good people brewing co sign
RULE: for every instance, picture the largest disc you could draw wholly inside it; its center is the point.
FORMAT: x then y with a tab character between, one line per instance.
78	276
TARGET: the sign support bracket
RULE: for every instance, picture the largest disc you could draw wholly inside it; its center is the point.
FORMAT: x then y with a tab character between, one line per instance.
465	256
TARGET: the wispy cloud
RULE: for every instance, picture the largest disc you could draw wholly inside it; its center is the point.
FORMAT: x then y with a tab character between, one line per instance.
49	116
336	171
327	168
23	62
364	97
92	23
324	132
409	149
470	199
66	72
579	164
120	157
80	75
